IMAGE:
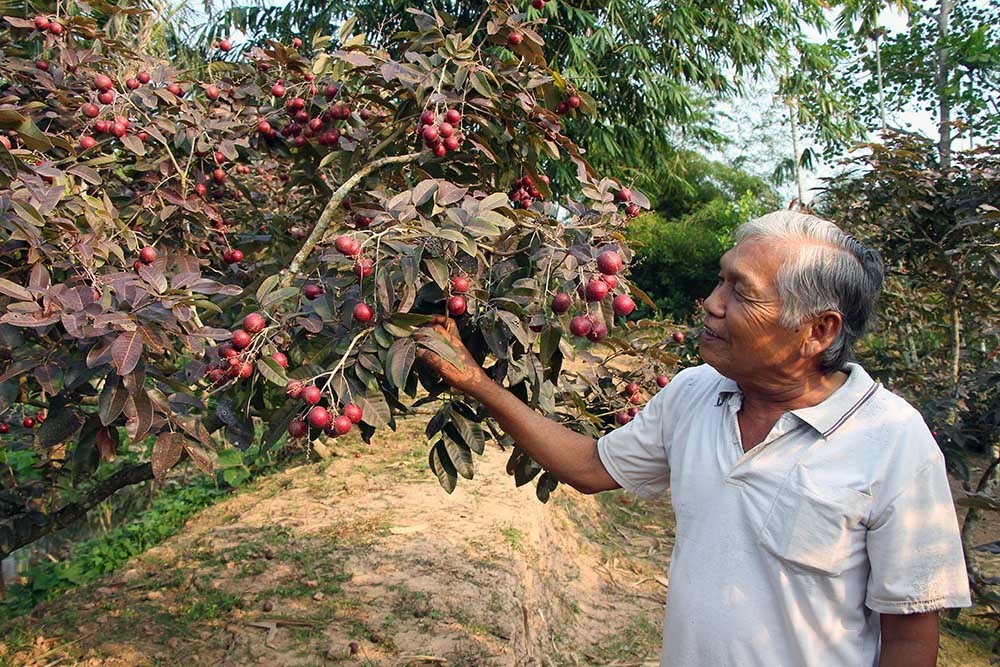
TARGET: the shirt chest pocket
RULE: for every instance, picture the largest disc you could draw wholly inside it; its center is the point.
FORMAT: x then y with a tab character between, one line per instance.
816	528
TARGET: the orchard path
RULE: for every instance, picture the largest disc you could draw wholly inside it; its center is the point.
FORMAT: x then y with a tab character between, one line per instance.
364	546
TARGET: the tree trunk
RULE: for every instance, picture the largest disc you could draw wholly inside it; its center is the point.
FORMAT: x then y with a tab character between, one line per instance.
989	483
956	346
796	151
941	83
878	71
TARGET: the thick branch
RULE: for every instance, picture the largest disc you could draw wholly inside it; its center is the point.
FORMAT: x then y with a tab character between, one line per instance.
331	208
20	529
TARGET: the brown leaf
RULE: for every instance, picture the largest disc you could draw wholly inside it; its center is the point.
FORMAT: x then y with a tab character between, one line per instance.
126	351
201	458
107	442
140	416
166	453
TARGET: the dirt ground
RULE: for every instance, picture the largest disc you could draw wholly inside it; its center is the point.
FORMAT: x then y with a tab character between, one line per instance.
365	547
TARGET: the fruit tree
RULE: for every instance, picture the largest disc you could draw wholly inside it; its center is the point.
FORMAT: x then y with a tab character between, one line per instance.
197	266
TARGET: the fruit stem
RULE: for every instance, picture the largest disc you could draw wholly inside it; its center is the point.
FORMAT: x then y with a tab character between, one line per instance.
332	206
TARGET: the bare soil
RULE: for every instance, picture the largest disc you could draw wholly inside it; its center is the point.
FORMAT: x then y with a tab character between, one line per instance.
364	546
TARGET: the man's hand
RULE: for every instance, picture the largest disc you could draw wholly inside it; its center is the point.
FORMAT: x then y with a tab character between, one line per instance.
462	379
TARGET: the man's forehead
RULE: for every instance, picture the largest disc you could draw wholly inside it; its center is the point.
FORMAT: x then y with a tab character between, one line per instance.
755	261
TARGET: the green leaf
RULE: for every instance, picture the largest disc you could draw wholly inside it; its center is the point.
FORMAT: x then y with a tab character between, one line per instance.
442	466
439	346
270	369
376	410
266	286
134	144
460	455
399	361
546	485
438	271
471	432
278	296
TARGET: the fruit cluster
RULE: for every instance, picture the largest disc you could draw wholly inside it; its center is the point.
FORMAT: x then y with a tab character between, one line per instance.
29	421
523	192
571	102
318	416
235	356
457	302
624	196
632	393
442	136
596	290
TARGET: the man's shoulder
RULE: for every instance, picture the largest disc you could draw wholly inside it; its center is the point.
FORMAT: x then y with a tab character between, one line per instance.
697	384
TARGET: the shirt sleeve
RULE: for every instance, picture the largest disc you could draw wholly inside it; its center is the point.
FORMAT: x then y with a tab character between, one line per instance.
915	548
636	455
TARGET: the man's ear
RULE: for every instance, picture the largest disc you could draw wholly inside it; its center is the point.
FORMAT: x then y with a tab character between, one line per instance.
823	330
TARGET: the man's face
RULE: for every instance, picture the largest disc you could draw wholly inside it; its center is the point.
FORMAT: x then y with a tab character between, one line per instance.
742	338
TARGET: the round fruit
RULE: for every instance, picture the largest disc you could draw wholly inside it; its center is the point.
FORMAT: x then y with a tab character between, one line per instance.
132	84
103	82
598	332
281	359
245	370
176	89
264	127
662	381
580	325
219	175
561	303
623	418
596	290
143	77
562	108
635	398
632	210
213	92
55	28
537	4
633	411
106	97
678	337
623	304
352	412
5	428
90	110
632	388
364	267
241	339
625	194
312	394
87	142
147	255
29	422
42	22
609	262
200	189
345	245
293	389
445	130
237	256
319	417
574	101
312	291
459	284
227	351
119	130
514	38
427	117
296	42
457	306
298	429
451	144
42	65
254	323
452	116
342	424
610	281
362	313
278	90
225	44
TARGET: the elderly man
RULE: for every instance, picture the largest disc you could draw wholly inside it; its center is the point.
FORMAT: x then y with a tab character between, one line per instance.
815	524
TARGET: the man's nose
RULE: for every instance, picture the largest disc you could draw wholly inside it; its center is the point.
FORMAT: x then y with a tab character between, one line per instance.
713	305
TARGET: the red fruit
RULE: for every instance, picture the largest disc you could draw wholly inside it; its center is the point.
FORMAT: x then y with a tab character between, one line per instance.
241	339
103	82
537	4
254	323
237	256
451	144
298	429
227	257
609	262
311	394
147	255
295	105
281	359
315	124
459	284
119	130
573	101
42	22
596	290
5	428
345	245
427	117
445	130
514	38
623	418
90	110
319	417
200	189
219	175
580	325
457	306
312	291
330	92
678	337
107	97
342	424
264	127
362	313
610	281
364	267
293	389
296	42
633	411
176	89
562	108
624	195
632	388
598	332
87	142
29	422
561	302
245	370
452	116
352	412
440	150
42	65
55	28
632	210
102	126
227	351
278	90
662	381
132	84
623	304
430	134
225	44
213	92
362	221
635	398
143	77
142	136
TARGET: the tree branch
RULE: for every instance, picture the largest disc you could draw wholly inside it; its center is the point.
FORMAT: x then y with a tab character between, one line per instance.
330	209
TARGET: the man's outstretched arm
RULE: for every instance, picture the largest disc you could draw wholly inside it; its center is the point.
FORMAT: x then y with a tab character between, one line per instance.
568	455
909	640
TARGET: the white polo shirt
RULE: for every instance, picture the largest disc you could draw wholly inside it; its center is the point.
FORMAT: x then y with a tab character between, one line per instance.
786	554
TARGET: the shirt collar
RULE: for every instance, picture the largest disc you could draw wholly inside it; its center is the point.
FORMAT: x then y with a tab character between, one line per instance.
835	410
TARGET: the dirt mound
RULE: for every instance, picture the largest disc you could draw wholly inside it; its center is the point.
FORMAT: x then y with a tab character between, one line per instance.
365	547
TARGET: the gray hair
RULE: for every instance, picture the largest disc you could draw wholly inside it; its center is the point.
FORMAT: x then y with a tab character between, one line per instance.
834	271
